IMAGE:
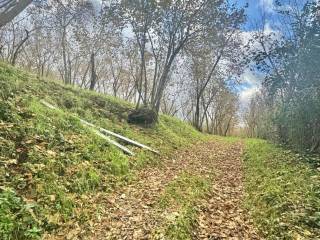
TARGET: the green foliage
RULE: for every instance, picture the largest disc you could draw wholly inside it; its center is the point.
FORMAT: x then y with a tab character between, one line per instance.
17	218
292	113
282	193
119	164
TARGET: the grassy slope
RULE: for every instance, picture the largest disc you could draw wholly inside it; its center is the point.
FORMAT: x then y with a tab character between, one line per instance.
283	191
50	165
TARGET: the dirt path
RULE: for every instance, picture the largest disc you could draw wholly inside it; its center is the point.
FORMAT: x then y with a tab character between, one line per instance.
221	215
130	213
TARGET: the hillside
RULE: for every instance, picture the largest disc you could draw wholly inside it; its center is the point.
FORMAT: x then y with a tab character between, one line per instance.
51	164
89	147
60	180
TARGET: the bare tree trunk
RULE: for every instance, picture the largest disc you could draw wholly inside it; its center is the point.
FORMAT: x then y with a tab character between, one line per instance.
84	76
93	73
207	122
64	57
10	9
69	69
163	81
142	46
17	51
197	114
160	91
228	126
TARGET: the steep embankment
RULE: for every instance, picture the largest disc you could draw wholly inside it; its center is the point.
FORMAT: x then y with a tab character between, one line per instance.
52	167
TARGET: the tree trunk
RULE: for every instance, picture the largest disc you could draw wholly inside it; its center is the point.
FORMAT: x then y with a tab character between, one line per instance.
227	127
142	73
197	114
83	81
10	13
17	51
64	57
69	70
93	73
162	84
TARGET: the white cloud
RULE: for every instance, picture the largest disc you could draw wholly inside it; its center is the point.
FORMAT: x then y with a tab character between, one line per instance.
251	83
267	5
268	29
247	94
250	78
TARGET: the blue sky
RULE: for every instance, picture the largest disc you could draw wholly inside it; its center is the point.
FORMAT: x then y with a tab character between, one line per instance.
256	7
253	10
251	80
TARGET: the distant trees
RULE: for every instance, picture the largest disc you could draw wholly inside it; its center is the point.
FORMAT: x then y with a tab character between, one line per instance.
292	87
12	44
164	30
175	57
212	64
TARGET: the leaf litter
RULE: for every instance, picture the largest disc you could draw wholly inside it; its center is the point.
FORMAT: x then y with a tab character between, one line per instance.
132	212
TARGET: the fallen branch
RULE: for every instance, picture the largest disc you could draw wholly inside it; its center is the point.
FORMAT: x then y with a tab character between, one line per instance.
48	105
119	136
123	148
100	130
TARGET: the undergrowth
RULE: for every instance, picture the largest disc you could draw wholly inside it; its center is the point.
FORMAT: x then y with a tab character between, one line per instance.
282	192
50	165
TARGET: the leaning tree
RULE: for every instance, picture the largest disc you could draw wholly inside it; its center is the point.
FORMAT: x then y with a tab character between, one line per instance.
9	9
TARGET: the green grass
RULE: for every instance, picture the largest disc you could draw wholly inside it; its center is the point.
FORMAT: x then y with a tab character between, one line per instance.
17	218
282	192
180	198
49	159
